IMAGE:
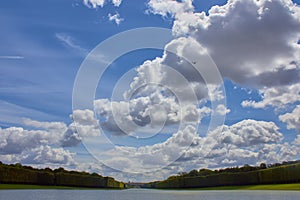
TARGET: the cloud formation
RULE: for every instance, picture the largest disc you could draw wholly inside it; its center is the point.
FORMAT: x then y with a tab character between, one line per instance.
170	7
237	36
278	96
12	57
101	3
115	18
292	119
70	42
249	46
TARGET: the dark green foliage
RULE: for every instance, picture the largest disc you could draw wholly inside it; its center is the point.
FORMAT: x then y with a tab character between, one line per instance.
288	172
18	174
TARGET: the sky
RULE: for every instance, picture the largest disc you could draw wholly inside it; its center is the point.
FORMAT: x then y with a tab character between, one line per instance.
186	84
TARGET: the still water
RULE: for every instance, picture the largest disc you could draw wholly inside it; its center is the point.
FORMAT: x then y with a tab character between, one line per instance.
140	194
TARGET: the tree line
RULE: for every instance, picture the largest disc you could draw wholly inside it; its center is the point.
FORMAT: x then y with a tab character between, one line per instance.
278	173
18	174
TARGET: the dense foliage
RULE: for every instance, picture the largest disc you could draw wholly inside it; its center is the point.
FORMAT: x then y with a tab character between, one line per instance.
18	174
287	172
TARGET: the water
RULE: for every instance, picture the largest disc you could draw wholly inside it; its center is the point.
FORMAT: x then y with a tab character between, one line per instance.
140	194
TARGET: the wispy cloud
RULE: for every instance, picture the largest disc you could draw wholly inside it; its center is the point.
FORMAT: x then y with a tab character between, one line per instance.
70	42
12	57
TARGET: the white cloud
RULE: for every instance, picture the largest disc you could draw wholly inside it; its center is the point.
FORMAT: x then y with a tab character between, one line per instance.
151	111
170	7
12	57
297	140
54	126
278	96
292	119
15	140
117	2
70	42
101	3
246	42
115	18
249	46
248	141
94	3
222	110
248	133
47	155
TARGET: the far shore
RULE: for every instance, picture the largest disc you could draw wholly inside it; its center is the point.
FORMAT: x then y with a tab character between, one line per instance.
45	187
291	187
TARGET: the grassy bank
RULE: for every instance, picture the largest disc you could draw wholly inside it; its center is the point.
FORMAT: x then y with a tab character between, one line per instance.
285	173
20	186
17	174
44	187
294	186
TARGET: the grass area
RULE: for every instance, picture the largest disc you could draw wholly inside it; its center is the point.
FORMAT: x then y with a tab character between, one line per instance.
31	187
294	186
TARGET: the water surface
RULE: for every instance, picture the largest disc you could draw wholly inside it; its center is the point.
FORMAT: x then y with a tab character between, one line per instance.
142	194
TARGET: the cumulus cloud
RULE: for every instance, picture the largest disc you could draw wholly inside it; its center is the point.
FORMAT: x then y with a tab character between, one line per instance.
117	2
47	155
292	119
170	7
54	126
101	3
278	96
244	38
155	110
115	18
42	144
248	133
247	141
15	140
246	41
297	140
249	46
222	110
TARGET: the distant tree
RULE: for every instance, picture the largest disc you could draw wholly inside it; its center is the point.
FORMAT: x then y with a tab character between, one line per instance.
262	166
182	174
47	169
61	169
205	172
193	173
19	165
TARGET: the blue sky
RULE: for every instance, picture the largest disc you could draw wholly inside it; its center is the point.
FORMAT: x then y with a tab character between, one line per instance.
44	43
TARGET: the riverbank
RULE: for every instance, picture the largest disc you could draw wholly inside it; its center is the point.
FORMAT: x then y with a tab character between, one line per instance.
292	187
285	173
20	186
45	187
16	174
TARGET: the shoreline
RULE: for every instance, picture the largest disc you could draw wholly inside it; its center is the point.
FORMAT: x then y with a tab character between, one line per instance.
286	187
45	187
279	187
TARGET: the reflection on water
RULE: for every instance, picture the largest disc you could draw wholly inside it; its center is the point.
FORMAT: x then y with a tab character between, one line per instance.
137	194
